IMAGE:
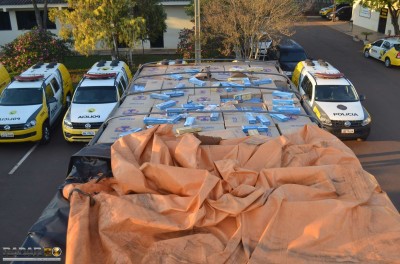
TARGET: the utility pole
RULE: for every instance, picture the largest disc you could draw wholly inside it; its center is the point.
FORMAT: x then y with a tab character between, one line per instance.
197	46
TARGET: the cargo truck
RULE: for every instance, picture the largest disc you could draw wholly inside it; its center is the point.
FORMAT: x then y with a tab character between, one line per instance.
217	162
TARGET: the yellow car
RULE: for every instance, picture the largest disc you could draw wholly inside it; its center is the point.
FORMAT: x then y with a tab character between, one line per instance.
324	12
386	50
4	77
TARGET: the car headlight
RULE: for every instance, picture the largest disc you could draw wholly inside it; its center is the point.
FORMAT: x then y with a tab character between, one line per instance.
325	120
366	121
30	124
67	119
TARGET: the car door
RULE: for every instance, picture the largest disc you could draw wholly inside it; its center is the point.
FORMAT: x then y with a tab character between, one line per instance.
306	91
53	99
376	48
385	48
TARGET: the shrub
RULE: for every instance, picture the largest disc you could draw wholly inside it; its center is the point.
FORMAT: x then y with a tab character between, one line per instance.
32	47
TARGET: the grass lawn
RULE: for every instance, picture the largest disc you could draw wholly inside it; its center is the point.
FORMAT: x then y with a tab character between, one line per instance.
78	65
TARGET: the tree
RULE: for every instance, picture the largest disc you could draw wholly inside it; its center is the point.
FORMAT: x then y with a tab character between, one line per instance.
392	5
154	14
33	46
99	21
242	24
40	21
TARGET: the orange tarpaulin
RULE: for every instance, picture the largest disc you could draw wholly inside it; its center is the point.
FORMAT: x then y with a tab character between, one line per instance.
301	198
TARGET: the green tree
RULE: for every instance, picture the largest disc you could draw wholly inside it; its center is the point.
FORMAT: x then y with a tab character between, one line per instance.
33	46
392	5
107	22
154	14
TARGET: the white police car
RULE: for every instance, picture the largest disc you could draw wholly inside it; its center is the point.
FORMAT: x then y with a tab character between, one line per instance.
95	97
333	99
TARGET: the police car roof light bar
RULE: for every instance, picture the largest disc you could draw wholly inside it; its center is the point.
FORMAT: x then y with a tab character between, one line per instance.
329	75
100	75
28	78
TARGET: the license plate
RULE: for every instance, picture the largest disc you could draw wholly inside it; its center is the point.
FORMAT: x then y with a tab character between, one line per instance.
7	135
88	133
347	131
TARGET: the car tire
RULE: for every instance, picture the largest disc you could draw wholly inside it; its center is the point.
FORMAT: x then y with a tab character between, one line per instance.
366	53
46	133
387	63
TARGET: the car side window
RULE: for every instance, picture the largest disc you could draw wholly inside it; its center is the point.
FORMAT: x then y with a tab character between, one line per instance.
49	91
377	43
120	88
306	85
386	45
55	85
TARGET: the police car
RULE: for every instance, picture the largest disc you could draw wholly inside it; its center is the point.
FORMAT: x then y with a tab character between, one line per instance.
32	103
95	97
386	50
333	98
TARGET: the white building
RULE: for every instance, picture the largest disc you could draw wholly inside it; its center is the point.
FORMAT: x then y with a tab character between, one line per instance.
17	17
379	21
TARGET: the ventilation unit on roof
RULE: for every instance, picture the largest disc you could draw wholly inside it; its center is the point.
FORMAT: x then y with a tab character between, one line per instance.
30	78
114	63
38	65
51	65
322	63
101	63
309	62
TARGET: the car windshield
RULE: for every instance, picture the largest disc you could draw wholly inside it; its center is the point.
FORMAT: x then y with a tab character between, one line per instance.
292	56
22	96
335	93
95	95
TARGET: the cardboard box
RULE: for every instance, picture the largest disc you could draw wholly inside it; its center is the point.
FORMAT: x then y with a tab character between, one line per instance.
228	133
205	99
288	128
205	118
153	85
140	101
120	125
235	120
188	90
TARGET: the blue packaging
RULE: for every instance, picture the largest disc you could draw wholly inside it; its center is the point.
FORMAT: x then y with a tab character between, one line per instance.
130	131
288	110
193	106
180	86
197	82
154	120
165	105
280	117
282	101
175	111
160	96
263	120
189	121
174	119
175	93
176	77
245	129
262	81
214	116
139	88
192	70
250	118
246	82
228	89
284	95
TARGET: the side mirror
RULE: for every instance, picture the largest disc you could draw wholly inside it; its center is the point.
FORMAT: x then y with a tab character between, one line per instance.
362	97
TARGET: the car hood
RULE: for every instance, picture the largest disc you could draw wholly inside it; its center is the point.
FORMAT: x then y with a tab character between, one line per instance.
342	110
91	113
11	115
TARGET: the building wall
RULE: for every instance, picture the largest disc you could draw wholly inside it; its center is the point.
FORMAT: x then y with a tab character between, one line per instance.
176	20
369	19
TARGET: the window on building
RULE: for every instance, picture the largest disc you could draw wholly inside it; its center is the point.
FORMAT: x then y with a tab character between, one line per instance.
27	20
5	23
158	43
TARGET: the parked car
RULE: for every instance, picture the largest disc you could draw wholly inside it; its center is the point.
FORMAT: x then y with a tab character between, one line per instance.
324	12
4	77
343	13
288	53
386	50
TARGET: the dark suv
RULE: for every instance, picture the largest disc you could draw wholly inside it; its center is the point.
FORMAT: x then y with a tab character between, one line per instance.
288	53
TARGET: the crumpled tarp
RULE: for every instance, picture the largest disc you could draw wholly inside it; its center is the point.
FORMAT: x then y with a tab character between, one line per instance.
301	198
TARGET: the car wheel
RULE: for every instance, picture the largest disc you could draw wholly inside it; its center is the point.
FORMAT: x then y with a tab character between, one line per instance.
387	62
366	53
45	133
